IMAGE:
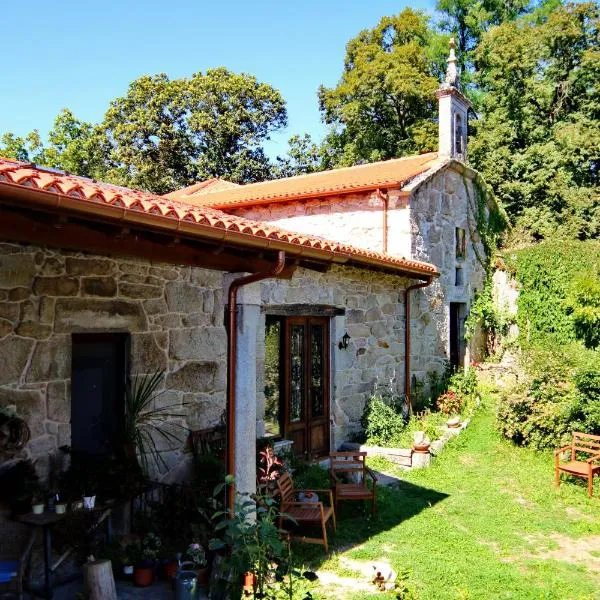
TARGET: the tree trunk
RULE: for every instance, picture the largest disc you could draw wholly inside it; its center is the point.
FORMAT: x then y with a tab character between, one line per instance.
98	580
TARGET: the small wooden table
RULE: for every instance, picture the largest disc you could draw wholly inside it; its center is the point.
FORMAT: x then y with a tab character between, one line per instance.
46	521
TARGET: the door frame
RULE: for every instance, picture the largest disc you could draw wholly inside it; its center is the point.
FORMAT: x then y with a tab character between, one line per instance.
308	423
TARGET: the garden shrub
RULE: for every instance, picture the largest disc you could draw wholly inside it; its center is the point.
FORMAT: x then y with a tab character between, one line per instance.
449	403
547	274
559	323
560	395
381	422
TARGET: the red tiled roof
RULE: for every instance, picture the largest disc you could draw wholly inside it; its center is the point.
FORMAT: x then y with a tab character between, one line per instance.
208	186
384	174
61	191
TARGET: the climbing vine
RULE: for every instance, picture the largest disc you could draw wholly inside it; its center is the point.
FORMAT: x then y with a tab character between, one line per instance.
486	220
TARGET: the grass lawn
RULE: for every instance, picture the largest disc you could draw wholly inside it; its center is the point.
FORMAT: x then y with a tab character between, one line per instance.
484	521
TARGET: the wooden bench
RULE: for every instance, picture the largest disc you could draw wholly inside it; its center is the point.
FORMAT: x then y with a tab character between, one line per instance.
579	466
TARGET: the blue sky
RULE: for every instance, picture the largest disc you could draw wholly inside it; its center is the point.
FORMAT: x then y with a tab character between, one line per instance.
81	55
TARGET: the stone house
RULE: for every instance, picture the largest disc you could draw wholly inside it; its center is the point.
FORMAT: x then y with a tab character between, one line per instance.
357	276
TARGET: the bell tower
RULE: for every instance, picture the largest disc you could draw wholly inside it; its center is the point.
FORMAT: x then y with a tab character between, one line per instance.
453	112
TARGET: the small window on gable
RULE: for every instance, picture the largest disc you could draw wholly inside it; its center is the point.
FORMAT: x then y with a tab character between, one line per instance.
458	277
458	135
461	243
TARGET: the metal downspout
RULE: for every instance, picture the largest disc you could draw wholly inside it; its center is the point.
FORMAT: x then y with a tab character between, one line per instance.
231	362
407	382
384	195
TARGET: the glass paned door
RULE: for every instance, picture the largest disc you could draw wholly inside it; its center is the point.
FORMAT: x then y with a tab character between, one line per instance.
306	387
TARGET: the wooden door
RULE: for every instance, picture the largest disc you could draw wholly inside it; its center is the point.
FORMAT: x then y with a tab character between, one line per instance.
306	385
99	370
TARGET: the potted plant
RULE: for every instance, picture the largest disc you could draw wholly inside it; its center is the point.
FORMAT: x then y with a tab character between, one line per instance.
60	506
196	555
421	442
144	423
143	572
37	502
131	556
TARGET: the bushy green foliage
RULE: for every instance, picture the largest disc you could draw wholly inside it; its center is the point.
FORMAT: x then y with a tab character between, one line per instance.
381	422
537	142
585	307
384	105
546	273
560	395
165	133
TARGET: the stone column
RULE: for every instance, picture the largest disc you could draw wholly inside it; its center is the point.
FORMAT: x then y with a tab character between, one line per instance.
245	388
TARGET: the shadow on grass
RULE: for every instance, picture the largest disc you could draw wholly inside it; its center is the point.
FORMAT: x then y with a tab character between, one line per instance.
355	524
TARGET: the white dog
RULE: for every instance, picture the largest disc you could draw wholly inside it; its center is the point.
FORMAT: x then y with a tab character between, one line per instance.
384	577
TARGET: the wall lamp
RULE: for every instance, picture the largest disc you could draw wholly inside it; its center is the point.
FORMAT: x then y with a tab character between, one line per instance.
343	345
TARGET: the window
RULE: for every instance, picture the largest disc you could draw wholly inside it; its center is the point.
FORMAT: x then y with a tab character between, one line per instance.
461	243
458	276
98	379
458	135
273	369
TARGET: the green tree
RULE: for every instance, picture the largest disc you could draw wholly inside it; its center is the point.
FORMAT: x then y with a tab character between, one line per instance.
303	156
467	20
538	140
384	105
166	134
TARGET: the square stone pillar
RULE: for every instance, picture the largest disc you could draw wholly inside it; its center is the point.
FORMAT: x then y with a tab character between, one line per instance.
248	322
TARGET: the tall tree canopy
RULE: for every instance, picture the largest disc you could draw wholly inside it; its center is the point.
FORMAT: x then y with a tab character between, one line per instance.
167	133
538	140
384	105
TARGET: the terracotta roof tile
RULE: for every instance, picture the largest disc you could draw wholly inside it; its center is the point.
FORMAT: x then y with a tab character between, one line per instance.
203	187
16	175
388	173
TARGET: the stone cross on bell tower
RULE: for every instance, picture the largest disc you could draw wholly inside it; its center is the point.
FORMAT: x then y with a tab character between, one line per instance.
454	109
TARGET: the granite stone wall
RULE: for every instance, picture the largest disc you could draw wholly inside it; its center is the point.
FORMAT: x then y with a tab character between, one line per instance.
174	316
374	319
355	219
438	206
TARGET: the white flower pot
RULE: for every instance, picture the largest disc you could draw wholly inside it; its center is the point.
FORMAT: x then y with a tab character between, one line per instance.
89	502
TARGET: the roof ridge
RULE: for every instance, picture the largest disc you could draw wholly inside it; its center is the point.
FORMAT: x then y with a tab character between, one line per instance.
340	169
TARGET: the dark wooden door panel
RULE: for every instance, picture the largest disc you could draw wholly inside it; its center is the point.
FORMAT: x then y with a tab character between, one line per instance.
306	385
97	391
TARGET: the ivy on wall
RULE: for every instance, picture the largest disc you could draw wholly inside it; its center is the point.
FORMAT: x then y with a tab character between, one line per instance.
549	294
487	221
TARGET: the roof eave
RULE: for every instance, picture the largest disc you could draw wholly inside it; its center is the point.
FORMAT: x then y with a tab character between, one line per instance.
20	195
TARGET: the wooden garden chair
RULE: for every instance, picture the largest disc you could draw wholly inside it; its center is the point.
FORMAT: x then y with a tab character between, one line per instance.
305	513
582	443
350	477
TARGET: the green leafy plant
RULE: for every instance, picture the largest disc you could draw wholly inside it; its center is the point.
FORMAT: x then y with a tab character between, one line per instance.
381	422
195	553
143	422
252	537
449	403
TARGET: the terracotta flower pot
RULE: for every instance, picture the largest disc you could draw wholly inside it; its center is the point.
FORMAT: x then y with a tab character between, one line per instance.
249	582
203	575
421	448
143	576
169	570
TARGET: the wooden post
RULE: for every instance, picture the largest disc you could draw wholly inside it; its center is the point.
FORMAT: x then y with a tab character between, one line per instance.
98	580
